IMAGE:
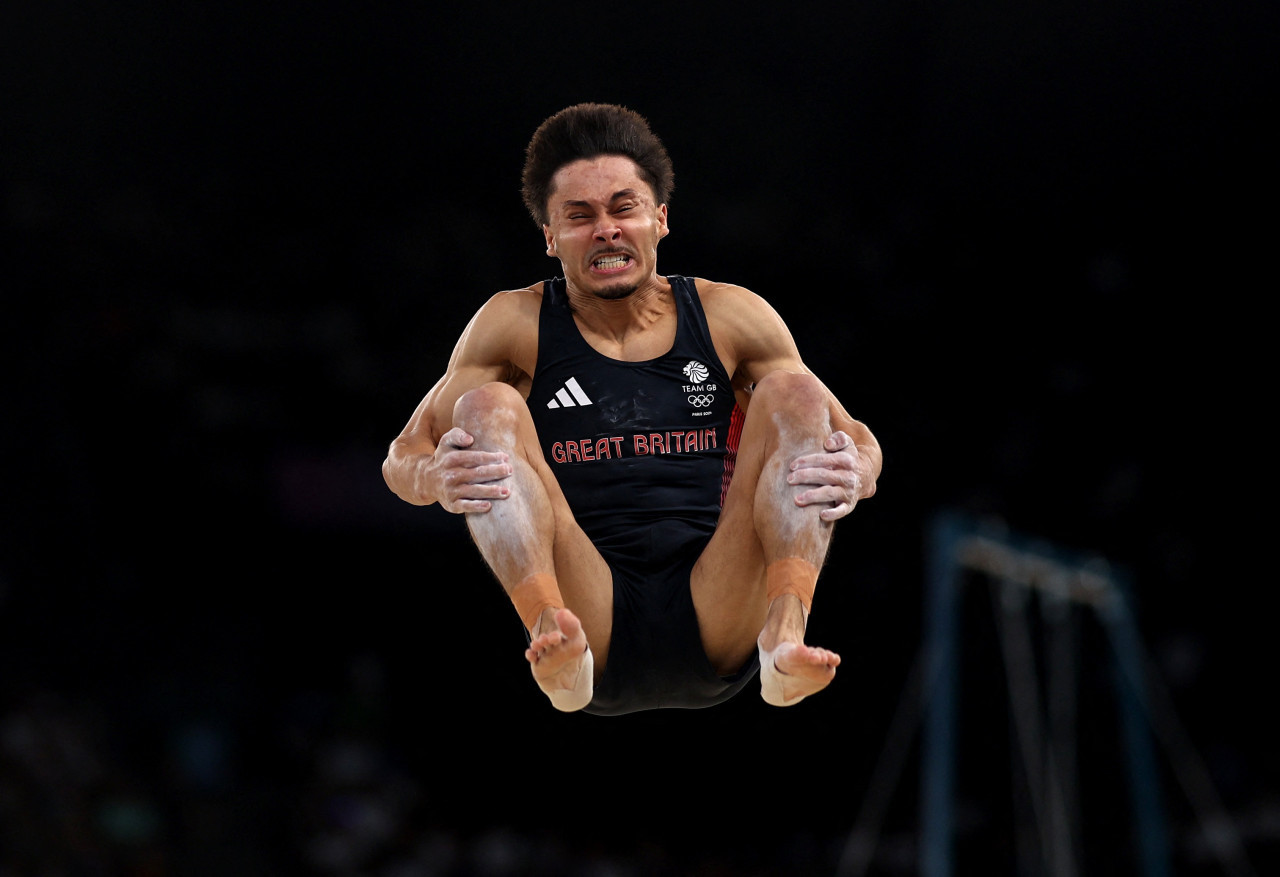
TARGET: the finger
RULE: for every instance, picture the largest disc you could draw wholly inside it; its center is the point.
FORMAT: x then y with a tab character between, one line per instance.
473	459
457	438
833	460
837	441
483	491
812	476
461	481
835	513
826	494
488	472
824	475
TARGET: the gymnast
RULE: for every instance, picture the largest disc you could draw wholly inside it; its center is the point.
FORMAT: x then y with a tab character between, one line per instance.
643	460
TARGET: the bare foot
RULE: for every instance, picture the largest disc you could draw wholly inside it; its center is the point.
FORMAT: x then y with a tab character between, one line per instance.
790	672
561	662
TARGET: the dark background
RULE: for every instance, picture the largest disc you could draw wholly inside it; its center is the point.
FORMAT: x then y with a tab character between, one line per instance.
1022	242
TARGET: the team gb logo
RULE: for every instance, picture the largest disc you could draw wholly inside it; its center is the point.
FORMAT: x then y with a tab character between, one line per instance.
696	372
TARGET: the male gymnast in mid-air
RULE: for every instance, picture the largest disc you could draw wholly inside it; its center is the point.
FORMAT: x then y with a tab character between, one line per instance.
643	460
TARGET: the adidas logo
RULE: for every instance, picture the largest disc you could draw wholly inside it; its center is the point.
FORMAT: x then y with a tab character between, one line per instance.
569	396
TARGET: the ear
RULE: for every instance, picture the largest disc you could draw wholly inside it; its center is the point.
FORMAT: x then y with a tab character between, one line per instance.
551	240
663	228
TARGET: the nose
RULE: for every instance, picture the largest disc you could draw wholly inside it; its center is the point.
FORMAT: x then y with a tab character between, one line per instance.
607	230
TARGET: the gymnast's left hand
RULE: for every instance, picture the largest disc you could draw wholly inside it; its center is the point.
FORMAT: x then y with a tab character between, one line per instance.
837	477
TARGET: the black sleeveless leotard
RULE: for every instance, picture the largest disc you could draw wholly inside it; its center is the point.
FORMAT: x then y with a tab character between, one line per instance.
644	452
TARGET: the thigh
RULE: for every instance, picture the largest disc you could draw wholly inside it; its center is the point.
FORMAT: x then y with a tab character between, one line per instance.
728	581
497	415
586	583
787	412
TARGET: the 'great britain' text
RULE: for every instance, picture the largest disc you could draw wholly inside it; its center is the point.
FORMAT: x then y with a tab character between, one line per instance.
612	447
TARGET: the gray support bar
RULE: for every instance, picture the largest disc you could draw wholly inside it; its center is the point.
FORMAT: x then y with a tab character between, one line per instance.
1144	780
941	677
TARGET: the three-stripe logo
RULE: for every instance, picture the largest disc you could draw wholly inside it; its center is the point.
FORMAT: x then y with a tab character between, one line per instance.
569	396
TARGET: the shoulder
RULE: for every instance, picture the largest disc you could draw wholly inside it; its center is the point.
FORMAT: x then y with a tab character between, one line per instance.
749	335
506	314
505	328
736	310
513	304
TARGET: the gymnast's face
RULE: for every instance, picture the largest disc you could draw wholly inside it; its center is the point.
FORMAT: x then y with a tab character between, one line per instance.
604	226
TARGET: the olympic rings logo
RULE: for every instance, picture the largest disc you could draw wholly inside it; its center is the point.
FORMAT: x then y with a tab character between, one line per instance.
701	401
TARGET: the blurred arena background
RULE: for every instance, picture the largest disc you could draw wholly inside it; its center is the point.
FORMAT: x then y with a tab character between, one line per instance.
1023	243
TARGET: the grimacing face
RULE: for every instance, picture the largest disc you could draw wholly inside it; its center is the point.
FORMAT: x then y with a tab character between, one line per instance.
604	226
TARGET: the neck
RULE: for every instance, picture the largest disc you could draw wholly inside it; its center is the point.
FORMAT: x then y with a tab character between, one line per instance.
619	316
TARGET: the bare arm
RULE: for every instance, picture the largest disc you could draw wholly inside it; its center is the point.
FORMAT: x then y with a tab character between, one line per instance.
429	461
753	341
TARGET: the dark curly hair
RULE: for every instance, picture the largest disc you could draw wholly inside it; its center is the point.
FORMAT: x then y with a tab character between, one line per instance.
586	131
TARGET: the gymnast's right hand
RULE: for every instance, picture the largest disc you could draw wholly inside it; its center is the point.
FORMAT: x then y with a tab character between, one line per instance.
461	480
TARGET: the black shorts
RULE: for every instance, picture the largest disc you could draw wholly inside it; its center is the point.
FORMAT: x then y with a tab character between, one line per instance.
656	659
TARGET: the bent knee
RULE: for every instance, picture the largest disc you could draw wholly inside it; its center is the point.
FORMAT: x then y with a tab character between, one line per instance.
792	392
489	405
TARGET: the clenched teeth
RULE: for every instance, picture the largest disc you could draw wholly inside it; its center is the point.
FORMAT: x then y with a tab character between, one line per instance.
611	261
